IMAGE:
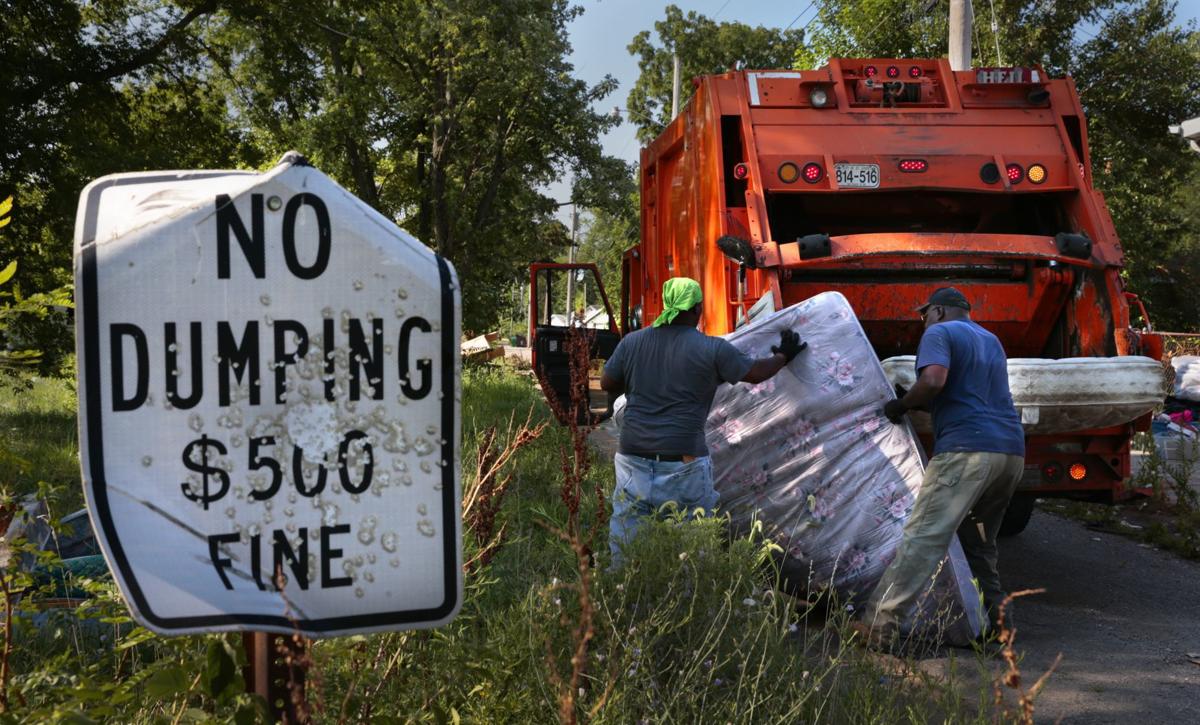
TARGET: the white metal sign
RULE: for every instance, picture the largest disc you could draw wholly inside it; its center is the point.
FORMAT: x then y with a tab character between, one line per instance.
269	404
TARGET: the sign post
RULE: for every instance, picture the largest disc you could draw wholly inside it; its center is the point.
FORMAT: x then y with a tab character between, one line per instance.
269	405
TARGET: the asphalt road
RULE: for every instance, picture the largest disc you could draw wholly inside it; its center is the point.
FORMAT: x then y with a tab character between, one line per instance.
1124	616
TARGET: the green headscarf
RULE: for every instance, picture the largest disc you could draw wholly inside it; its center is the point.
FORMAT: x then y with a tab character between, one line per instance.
680	294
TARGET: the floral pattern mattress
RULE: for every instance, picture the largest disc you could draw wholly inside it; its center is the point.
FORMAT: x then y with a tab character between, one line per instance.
810	454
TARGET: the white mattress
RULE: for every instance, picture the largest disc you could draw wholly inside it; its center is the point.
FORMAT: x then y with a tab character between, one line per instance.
1067	395
810	454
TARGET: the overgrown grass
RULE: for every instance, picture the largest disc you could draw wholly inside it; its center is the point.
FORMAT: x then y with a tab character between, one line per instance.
39	441
690	629
1147	521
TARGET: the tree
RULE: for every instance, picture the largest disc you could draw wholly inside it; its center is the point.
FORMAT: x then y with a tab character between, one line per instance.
92	89
448	116
1026	31
704	46
610	231
1140	74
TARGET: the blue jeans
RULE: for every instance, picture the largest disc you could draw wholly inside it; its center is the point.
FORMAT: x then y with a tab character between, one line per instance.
644	486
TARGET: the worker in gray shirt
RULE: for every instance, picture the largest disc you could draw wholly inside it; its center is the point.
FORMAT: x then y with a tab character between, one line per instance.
669	374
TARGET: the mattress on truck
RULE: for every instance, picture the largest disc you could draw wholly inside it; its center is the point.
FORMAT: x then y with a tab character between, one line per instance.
810	454
1064	396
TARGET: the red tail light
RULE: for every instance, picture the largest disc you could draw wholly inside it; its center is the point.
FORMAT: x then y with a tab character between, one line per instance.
741	171
1052	472
914	72
813	173
1015	173
870	71
893	72
914	166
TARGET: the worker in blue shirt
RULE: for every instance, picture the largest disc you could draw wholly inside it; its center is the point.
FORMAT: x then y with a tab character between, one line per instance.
978	459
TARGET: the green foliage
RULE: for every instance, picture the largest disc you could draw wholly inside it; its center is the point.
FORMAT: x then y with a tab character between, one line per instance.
1147	175
874	28
406	103
690	629
450	117
610	231
1024	32
704	46
92	89
89	663
21	320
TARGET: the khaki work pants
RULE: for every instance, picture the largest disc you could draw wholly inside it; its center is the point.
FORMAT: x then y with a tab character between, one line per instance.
967	492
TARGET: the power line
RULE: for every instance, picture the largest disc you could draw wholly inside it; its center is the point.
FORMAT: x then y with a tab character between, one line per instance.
1102	27
872	34
813	19
805	10
722	9
995	33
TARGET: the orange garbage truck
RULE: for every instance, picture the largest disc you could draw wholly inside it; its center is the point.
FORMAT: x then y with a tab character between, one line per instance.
884	179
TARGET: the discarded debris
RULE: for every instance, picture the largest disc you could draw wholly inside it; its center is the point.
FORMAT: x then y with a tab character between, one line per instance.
480	349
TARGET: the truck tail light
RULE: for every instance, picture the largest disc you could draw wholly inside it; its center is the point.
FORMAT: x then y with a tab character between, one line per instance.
741	172
818	97
914	166
788	172
893	72
989	173
813	172
1052	472
1015	173
870	71
914	72
1036	173
1078	471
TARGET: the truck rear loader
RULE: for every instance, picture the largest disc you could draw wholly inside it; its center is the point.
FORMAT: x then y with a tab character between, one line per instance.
884	179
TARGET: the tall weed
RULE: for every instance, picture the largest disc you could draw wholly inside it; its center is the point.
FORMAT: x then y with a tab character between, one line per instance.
691	628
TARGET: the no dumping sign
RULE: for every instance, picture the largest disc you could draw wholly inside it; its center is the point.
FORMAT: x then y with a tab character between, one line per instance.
268	404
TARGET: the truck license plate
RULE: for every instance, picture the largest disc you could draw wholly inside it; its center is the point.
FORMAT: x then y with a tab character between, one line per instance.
857	176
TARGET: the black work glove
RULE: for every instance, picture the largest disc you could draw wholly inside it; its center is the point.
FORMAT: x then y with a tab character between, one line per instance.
789	344
894	410
902	391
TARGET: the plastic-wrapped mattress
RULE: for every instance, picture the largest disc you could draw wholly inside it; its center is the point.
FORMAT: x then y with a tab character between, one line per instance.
810	454
1062	396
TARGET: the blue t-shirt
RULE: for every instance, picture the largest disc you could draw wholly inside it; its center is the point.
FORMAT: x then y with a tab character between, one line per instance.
974	412
671	374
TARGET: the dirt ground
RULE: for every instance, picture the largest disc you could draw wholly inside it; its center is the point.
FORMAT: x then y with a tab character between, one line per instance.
1123	615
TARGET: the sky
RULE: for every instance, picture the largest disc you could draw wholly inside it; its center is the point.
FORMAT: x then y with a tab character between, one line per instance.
600	36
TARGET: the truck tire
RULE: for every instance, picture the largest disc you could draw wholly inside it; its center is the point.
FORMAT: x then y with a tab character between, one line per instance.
1016	518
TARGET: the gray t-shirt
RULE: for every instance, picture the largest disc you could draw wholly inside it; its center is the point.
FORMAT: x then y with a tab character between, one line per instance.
671	374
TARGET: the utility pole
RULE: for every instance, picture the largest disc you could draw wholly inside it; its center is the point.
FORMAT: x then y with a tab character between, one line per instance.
675	72
571	260
960	34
